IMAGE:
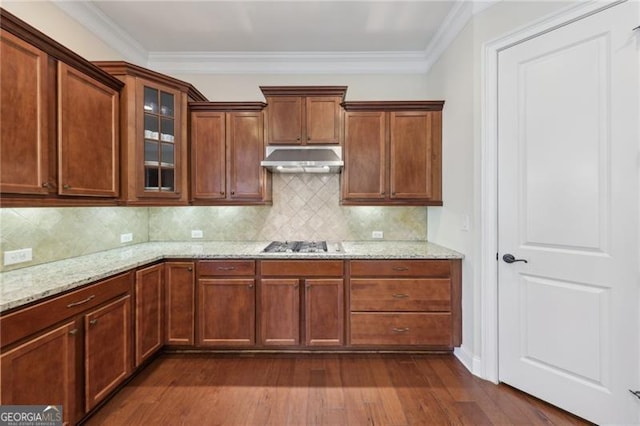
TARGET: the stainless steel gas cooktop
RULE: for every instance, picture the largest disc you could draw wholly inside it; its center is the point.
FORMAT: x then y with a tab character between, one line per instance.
302	247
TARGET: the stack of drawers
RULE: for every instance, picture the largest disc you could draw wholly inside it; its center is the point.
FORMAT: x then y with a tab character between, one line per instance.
404	303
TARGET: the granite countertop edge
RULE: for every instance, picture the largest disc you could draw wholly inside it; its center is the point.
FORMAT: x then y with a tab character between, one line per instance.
24	286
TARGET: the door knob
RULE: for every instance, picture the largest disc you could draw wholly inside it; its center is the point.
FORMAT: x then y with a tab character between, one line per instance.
509	258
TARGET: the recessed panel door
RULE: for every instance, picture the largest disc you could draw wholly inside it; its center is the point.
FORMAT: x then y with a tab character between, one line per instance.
568	216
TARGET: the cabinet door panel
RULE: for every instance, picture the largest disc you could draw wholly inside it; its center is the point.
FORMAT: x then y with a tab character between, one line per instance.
226	312
364	175
324	312
208	161
285	120
411	151
245	142
280	312
180	303
42	371
88	139
23	117
149	309
107	349
322	120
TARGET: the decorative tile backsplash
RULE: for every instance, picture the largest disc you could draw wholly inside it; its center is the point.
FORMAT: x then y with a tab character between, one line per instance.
60	233
305	207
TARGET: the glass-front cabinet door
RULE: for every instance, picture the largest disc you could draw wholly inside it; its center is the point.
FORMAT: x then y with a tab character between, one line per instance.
160	131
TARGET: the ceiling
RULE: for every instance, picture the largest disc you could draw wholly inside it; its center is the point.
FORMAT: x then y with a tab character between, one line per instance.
277	36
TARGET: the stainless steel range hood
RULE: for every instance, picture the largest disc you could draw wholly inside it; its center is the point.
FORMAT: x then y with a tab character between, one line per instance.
303	159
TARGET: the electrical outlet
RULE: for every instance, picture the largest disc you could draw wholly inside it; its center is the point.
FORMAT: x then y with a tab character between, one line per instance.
377	235
17	256
197	233
126	238
466	223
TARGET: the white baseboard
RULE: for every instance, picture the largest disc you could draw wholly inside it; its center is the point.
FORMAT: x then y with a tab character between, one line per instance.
471	362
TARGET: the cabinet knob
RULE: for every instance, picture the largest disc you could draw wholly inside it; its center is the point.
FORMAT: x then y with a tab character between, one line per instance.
382	193
73	332
250	285
221	192
298	138
66	186
45	184
393	193
190	269
93	322
233	192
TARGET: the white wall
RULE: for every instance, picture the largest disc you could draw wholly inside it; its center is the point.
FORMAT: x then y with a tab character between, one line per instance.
362	87
49	19
457	78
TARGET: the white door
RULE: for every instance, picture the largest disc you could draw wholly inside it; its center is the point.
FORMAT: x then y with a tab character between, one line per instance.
568	144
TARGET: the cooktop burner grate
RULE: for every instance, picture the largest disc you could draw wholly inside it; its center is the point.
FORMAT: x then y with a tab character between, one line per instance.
296	247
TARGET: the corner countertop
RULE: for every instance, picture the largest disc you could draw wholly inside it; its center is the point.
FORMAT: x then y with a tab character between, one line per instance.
26	285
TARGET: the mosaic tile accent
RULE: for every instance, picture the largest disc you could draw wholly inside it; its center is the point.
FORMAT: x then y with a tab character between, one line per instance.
305	207
61	233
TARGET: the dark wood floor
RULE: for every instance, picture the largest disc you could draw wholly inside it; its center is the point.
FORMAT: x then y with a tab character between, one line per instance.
194	389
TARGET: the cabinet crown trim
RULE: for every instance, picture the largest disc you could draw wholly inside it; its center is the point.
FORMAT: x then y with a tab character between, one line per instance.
393	105
126	68
304	91
226	106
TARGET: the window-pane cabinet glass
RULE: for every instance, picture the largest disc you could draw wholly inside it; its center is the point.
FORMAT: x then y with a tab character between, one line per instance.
151	153
167	154
166	104
159	140
150	100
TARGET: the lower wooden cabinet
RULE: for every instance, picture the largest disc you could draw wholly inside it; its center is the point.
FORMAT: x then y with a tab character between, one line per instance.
405	303
280	311
301	303
42	371
324	312
149	312
226	312
179	311
107	349
226	303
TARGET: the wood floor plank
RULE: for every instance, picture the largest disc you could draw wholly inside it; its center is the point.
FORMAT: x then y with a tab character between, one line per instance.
318	390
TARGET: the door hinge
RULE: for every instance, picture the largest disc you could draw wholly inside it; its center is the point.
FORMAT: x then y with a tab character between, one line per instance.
636	393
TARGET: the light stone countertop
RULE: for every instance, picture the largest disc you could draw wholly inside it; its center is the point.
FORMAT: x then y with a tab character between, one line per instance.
22	286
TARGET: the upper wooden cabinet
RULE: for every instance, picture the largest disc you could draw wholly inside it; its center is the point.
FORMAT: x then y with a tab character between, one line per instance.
304	115
392	153
227	145
59	137
153	125
88	135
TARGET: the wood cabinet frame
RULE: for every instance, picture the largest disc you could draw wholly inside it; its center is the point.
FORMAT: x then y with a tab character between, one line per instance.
45	187
218	175
294	118
391	143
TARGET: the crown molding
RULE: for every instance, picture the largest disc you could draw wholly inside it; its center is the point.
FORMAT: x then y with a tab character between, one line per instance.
288	62
91	17
409	62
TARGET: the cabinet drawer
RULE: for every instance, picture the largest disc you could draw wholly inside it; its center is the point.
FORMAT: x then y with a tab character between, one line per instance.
302	268
431	329
32	319
400	268
418	294
226	267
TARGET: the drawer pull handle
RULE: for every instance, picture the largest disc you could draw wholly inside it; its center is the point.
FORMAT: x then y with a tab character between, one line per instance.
93	322
226	268
400	296
400	268
400	330
73	332
82	302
